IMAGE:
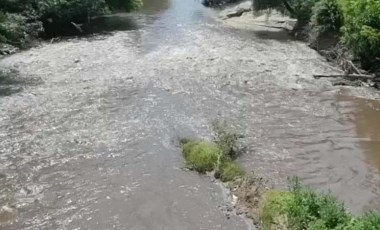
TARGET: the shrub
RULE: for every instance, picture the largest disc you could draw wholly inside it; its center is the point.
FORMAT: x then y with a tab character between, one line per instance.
205	157
301	208
303	9
273	209
362	30
369	221
327	17
307	206
16	30
2	28
300	9
229	171
225	138
201	156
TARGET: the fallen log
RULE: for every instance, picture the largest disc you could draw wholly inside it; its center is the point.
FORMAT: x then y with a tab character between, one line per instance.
78	27
351	77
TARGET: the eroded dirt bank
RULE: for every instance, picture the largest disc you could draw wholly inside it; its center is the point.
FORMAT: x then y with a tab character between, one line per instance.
90	141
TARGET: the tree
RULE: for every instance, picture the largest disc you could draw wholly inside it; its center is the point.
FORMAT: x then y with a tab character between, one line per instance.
299	9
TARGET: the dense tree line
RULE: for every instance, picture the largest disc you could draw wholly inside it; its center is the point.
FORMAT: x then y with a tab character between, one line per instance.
23	20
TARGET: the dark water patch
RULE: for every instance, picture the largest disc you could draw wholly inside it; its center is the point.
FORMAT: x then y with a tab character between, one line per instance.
279	35
11	82
99	25
108	23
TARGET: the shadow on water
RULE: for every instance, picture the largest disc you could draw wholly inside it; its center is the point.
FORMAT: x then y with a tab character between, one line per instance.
108	23
154	6
11	82
278	35
99	25
116	22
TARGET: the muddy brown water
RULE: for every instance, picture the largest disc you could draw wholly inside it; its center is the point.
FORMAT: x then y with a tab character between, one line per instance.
90	138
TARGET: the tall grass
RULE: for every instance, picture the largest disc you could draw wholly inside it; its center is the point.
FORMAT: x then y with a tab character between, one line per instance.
302	208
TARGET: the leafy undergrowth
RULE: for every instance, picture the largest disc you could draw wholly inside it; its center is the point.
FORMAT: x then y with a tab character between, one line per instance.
302	208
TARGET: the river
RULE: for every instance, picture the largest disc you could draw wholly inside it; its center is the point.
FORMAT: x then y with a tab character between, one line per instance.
89	127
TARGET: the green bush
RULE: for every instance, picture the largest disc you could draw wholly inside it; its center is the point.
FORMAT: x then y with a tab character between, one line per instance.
201	156
300	9
303	9
301	208
225	138
273	213
229	171
2	28
369	221
307	206
17	30
327	17
362	30
205	157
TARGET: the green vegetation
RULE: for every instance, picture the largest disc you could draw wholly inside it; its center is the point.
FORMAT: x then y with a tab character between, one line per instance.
302	208
201	156
356	23
205	157
225	138
326	17
361	31
298	208
273	209
300	9
23	20
229	171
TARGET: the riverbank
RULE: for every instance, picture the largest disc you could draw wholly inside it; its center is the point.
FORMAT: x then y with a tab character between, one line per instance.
89	138
22	23
297	207
272	22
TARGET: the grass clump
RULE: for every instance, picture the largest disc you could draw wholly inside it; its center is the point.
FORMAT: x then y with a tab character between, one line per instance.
204	156
273	212
230	171
311	210
369	221
225	138
301	208
201	156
